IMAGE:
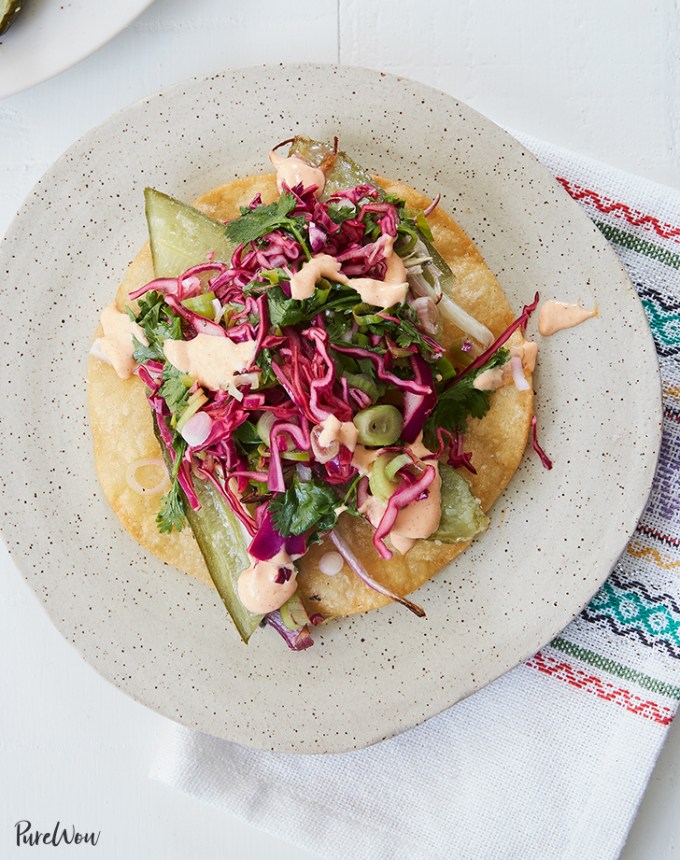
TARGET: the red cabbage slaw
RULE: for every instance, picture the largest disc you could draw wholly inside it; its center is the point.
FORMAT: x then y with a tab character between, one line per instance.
330	355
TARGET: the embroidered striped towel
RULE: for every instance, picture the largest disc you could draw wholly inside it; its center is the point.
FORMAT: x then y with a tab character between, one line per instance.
551	760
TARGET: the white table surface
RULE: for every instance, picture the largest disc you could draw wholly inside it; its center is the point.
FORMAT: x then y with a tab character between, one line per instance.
601	78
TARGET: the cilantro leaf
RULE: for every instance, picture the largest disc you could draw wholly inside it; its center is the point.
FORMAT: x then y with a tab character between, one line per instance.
457	403
261	220
410	335
327	297
175	388
264	362
341	210
246	434
461	401
304	505
158	323
171	515
339	323
405	331
142	354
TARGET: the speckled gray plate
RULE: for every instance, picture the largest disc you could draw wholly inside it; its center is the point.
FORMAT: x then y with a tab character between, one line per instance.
162	637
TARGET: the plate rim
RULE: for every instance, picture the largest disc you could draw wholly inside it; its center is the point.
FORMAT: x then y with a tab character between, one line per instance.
650	466
101	39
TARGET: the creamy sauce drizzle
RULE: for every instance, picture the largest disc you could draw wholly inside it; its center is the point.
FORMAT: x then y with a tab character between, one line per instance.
117	346
334	430
556	316
294	170
213	361
497	377
258	591
303	283
382	294
490	380
363	458
416	521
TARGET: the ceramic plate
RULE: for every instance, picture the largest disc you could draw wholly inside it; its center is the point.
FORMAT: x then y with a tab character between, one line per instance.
48	37
162	637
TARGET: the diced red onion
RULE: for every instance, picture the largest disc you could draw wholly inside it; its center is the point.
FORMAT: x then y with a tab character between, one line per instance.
427	313
197	429
450	309
304	472
317	237
518	376
323	453
331	563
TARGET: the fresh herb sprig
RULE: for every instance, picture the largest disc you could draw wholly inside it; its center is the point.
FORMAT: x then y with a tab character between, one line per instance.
263	219
461	401
158	323
327	297
172	516
303	506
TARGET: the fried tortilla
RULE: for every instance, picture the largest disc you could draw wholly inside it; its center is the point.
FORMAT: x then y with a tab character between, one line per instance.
122	428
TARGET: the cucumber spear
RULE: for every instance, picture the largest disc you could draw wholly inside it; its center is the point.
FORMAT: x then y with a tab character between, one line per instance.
180	237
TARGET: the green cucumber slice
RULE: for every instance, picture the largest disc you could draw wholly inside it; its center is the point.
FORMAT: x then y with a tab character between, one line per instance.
222	543
181	236
344	173
462	515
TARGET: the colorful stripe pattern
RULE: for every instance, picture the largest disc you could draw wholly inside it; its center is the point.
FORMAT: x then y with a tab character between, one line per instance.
629	609
595	685
634	621
606	205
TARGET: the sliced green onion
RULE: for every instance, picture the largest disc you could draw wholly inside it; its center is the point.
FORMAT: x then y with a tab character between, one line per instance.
193	404
363	383
293	613
272	275
445	369
379	425
381	486
424	227
395	464
406	240
365	315
264	425
295	455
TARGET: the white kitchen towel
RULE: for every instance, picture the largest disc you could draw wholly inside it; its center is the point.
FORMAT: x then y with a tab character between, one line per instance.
551	760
